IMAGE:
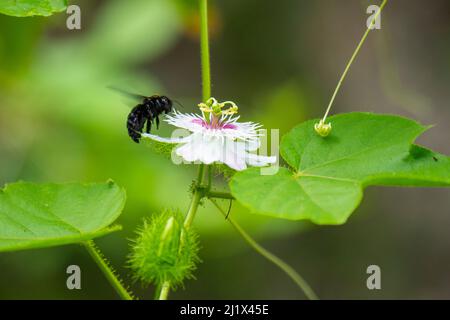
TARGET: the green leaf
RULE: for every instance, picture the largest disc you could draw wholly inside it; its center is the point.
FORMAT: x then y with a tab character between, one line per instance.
28	8
327	176
45	215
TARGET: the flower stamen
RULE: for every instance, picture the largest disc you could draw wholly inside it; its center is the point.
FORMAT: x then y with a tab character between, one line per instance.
216	108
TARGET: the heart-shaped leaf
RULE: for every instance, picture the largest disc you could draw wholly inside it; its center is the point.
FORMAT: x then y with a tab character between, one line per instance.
27	8
327	176
45	215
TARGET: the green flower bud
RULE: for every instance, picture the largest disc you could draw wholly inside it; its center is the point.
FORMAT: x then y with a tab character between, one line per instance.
323	129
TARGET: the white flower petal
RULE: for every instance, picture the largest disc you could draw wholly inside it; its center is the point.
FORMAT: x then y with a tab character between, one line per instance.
185	151
165	140
234	155
212	150
191	122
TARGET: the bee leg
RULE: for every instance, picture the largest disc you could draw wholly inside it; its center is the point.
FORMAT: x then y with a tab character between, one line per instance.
135	137
157	122
149	126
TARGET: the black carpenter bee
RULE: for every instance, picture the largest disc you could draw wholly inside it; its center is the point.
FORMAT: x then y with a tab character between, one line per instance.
145	113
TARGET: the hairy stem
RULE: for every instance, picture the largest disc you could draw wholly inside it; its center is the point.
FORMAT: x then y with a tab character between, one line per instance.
298	279
115	282
355	53
198	194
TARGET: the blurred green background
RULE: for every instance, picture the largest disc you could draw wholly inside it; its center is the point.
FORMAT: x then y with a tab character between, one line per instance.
280	62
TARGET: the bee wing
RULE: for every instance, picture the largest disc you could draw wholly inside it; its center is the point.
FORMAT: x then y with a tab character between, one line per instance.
134	96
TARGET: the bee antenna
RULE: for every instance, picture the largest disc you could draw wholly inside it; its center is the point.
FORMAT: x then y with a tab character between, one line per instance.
177	102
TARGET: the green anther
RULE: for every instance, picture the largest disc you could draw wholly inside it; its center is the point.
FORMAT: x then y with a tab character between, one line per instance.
217	108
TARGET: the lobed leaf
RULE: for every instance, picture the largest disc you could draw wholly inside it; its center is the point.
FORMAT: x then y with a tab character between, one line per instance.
44	215
327	176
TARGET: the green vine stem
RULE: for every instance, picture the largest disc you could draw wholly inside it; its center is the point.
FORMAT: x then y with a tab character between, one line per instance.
165	289
109	273
198	194
220	195
206	93
304	286
204	50
355	53
209	174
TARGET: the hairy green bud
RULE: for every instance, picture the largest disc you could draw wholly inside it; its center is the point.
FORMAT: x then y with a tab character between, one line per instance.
164	250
